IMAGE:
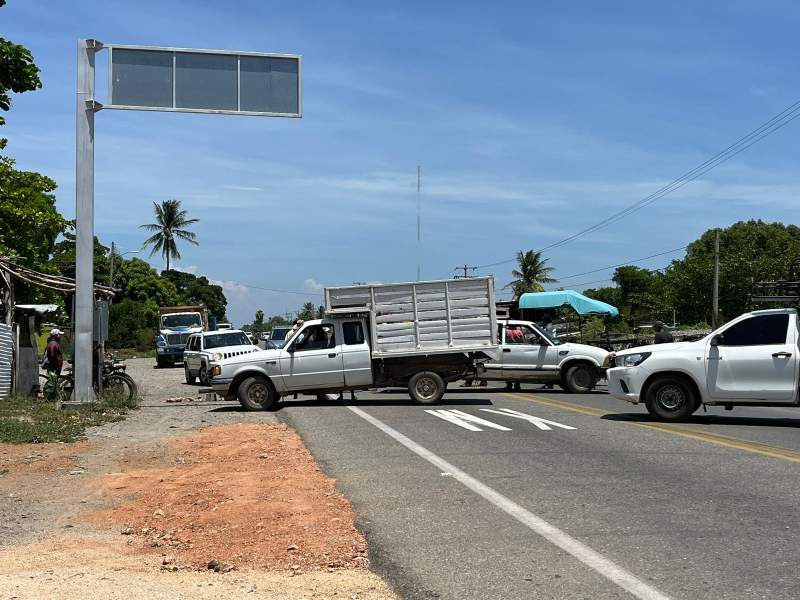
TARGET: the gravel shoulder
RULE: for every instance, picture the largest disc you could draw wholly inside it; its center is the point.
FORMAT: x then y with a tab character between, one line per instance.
61	522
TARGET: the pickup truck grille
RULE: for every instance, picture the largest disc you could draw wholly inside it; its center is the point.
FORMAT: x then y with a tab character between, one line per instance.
237	353
177	339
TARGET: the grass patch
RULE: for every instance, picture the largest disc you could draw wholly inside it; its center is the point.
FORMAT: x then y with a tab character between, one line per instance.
26	419
125	353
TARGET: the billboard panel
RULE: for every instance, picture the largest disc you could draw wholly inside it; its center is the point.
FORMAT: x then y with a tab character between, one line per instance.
185	80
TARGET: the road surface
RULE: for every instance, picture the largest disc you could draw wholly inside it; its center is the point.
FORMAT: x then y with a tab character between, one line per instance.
554	495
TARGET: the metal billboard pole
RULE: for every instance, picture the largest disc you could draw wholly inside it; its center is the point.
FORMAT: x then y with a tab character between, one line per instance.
84	221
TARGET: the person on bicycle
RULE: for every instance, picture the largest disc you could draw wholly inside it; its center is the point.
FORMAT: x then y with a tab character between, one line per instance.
53	353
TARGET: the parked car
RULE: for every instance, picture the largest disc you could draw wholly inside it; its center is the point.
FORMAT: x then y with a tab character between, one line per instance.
418	335
528	354
202	348
276	338
750	361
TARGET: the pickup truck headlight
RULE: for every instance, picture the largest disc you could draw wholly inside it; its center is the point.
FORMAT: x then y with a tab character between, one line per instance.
216	356
631	360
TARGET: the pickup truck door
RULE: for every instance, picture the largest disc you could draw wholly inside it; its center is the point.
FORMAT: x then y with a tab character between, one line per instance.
190	353
356	355
526	354
754	359
314	359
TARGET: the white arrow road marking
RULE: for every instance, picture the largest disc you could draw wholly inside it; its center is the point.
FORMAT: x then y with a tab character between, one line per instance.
462	419
591	558
541	423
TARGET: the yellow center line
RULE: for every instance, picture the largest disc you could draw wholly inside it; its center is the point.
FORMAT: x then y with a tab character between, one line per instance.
711	438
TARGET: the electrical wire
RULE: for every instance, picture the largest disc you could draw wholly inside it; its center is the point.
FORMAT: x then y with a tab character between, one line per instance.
630	262
766	129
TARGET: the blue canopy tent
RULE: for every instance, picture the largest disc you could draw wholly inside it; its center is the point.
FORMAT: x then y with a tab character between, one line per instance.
583	305
535	303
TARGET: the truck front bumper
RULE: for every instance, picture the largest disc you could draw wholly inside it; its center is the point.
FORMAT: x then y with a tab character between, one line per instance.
170	352
625	383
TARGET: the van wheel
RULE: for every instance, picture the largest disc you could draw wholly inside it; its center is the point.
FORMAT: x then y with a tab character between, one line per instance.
256	393
670	398
426	387
580	378
187	374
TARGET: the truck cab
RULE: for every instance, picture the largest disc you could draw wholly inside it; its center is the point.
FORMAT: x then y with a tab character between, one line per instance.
175	325
529	354
750	361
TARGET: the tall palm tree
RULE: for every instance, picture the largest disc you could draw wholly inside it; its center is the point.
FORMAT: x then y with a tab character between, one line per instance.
531	274
170	225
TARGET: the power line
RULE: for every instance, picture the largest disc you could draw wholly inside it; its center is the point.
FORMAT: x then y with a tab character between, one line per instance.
766	129
625	263
584	283
265	289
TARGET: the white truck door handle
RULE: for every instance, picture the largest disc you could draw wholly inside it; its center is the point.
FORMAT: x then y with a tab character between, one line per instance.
332	355
781	355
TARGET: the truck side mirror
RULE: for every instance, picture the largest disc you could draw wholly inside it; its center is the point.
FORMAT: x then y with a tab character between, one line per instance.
717	340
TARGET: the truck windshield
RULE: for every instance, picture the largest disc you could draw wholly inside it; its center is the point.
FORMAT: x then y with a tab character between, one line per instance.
188	320
234	338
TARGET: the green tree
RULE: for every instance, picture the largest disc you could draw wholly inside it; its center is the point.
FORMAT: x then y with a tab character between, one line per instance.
307	312
18	73
64	258
531	274
170	225
194	289
138	281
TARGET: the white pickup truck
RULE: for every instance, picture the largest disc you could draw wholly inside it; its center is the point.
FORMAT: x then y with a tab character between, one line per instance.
418	335
750	361
527	354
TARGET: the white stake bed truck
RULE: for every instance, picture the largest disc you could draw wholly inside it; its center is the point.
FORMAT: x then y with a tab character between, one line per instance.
417	335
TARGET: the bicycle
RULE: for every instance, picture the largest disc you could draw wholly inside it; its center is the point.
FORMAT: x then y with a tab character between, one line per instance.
116	382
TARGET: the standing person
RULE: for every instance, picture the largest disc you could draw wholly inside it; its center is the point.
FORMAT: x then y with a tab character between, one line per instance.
662	337
298	323
548	326
53	353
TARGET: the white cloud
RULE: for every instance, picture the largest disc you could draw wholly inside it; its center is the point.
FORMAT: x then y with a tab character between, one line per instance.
243	188
311	284
232	289
191	269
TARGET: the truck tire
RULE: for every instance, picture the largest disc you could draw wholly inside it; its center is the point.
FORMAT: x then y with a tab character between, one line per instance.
160	363
202	374
187	374
426	387
257	393
580	378
670	398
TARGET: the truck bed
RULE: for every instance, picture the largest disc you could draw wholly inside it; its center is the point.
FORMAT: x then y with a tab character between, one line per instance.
426	317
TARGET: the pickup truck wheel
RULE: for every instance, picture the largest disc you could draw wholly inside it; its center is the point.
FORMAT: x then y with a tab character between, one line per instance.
203	373
257	393
426	387
187	374
580	378
670	398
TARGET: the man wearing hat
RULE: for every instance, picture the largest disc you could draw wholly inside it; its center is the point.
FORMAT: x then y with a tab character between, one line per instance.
662	337
55	358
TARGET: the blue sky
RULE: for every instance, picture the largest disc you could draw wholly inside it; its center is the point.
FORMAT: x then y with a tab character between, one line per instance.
531	121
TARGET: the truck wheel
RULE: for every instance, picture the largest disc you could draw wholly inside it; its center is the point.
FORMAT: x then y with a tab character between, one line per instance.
187	374
670	398
257	393
426	387
160	362
203	375
580	378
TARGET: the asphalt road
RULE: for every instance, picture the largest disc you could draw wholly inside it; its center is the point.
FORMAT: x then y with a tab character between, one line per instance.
597	501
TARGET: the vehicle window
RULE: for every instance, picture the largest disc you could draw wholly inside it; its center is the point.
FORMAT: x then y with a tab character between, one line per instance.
353	333
173	321
279	333
315	337
521	334
499	334
218	340
189	343
757	331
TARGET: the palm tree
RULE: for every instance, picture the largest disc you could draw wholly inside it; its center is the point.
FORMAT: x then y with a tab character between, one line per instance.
532	273
169	226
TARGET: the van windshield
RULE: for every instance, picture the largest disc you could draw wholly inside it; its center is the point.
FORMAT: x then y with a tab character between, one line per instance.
187	320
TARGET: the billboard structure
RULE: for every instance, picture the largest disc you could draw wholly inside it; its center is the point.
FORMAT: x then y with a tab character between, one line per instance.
164	79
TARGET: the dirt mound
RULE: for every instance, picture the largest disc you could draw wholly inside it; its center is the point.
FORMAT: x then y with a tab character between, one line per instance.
245	496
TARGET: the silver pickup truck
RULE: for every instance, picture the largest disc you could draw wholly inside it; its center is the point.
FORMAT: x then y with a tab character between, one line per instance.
527	354
417	335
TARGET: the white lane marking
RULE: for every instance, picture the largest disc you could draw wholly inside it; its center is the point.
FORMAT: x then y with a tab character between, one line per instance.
594	560
478	420
443	414
541	423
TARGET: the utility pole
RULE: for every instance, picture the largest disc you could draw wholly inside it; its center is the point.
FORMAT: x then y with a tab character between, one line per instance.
715	308
419	223
466	269
111	275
